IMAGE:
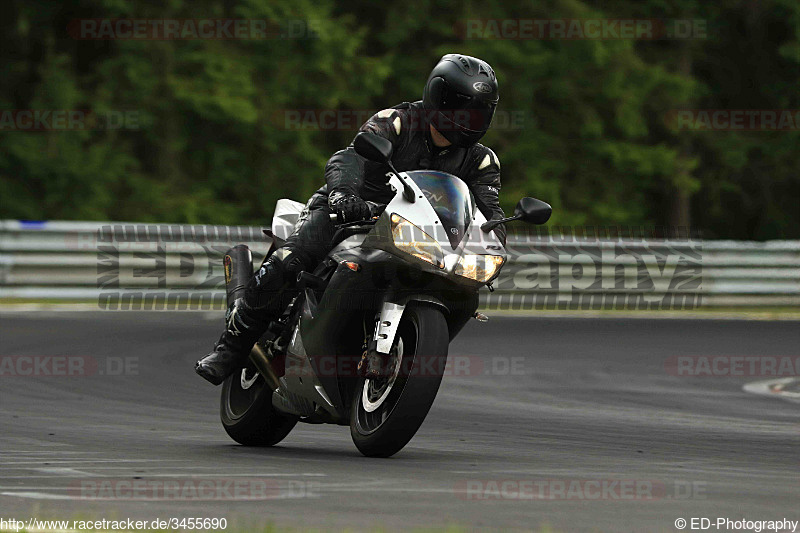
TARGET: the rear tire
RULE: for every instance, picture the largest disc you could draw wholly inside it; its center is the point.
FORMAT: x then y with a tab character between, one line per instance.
391	419
246	410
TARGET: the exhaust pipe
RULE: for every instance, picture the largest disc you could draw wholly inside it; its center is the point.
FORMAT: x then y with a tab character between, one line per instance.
238	263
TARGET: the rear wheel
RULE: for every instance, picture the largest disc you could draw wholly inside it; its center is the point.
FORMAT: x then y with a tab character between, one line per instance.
246	410
387	412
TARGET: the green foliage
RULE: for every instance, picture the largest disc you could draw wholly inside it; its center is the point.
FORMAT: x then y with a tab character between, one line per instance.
583	124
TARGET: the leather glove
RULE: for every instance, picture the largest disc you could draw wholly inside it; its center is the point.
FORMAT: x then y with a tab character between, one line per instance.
349	207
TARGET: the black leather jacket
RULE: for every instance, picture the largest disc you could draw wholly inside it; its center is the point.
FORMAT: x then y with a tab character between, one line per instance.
404	125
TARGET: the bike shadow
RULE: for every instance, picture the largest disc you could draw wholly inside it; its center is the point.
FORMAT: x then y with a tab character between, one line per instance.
345	451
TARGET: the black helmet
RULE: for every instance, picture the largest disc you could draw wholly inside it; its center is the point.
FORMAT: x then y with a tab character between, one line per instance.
460	98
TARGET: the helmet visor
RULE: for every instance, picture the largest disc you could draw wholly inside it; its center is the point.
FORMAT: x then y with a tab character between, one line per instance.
461	111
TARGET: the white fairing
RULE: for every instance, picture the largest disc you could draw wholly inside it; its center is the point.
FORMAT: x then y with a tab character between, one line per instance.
421	213
287	212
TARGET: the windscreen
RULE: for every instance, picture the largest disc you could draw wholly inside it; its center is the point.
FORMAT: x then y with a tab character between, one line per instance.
450	198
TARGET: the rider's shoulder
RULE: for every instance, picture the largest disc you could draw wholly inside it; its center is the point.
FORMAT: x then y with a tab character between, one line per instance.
484	157
395	116
394	111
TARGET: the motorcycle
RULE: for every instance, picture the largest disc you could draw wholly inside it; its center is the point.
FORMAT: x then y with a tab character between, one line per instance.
399	286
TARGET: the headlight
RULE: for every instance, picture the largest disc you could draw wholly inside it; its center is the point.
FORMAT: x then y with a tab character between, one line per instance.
481	268
412	240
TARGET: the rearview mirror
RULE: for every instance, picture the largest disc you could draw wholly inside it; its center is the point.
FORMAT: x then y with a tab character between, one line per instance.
378	149
528	210
373	147
533	211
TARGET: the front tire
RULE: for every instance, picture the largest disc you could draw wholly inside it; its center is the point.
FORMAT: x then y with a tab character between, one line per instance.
386	416
246	410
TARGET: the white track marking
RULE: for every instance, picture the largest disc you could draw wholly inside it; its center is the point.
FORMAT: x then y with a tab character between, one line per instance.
52	530
71	461
171	468
37	496
149	476
35	452
35	443
775	388
46	457
63	471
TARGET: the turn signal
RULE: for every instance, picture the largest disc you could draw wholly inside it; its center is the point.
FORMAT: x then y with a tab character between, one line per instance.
355	267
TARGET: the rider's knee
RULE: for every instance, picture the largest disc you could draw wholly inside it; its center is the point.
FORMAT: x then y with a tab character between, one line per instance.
293	260
280	268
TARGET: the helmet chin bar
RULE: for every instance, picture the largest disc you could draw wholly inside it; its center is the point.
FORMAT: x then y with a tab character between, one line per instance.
457	135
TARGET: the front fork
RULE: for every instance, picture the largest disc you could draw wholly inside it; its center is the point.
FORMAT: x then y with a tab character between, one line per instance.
377	346
386	328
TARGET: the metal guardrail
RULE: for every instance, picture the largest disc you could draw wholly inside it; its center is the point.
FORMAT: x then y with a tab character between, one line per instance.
179	266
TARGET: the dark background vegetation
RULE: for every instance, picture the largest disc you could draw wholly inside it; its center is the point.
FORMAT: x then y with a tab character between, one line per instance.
212	144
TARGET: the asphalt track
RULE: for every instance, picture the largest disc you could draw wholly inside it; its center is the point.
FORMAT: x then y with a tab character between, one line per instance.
588	401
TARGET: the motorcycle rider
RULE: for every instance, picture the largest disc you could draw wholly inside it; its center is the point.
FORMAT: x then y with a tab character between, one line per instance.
440	132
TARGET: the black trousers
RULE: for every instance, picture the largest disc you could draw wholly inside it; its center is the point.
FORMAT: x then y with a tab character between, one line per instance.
313	234
273	285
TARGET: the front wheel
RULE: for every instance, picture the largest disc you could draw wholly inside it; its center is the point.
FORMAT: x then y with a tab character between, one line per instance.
246	410
387	412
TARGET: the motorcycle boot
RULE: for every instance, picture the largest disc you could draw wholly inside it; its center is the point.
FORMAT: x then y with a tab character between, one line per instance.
267	294
243	327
